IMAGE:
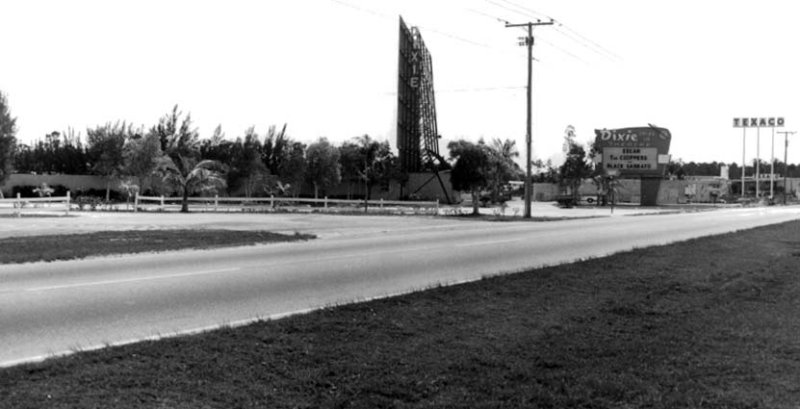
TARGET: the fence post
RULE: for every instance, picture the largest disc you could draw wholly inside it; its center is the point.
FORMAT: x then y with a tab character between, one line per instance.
437	207
162	203
381	205
216	202
68	202
135	202
272	201
325	203
19	205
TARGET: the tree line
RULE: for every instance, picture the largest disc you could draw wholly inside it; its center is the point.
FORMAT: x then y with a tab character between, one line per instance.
170	157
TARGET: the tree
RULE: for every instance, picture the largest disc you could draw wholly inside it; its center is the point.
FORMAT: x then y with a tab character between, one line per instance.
350	161
191	176
275	149
380	164
292	171
576	167
247	168
57	153
675	169
180	166
286	159
368	162
140	156
105	148
8	141
217	147
502	167
544	172
322	165
471	169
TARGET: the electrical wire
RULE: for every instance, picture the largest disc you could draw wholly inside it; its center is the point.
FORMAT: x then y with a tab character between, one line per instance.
561	28
492	2
427	29
602	50
488	15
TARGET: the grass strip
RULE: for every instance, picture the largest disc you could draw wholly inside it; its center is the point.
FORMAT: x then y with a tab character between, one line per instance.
74	246
711	322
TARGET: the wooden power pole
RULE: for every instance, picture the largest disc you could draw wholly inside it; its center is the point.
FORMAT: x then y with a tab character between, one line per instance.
528	41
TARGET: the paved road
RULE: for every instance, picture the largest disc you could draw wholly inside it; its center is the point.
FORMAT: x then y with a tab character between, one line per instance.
53	308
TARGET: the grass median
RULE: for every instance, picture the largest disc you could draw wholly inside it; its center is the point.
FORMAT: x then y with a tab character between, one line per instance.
711	322
74	246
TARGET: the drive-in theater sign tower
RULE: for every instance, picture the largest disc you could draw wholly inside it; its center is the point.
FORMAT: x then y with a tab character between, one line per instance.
635	153
417	132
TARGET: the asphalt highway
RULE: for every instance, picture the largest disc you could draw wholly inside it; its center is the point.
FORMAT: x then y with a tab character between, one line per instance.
55	308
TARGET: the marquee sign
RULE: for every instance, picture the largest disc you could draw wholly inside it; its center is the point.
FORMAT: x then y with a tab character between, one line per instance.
633	151
749	122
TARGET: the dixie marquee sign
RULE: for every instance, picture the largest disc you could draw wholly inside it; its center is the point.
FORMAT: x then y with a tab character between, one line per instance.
640	151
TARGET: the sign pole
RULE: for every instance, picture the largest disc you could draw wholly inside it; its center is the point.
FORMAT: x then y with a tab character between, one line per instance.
758	161
744	164
772	169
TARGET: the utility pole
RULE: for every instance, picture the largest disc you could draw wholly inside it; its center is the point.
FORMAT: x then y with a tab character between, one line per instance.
785	163
528	41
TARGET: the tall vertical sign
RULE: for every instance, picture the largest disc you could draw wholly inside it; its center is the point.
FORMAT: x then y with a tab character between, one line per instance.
417	133
408	130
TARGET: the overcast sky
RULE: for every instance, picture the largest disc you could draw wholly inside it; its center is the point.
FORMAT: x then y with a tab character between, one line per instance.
329	67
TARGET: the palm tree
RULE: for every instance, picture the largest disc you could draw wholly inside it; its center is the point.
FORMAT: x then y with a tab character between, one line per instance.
180	165
502	165
188	176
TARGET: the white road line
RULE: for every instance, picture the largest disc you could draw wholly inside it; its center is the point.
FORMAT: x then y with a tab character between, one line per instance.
128	280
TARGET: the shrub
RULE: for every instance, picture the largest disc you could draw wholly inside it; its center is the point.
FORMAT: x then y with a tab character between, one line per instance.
90	202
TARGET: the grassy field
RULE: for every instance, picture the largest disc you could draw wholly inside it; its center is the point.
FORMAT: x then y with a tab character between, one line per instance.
72	246
708	323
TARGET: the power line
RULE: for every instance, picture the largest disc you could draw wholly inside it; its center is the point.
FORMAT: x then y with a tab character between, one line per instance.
506	8
529	10
362	9
528	13
427	29
564	51
455	37
488	15
580	39
574	36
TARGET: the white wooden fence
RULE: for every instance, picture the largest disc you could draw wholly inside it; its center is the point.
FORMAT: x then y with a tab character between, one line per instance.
20	204
217	203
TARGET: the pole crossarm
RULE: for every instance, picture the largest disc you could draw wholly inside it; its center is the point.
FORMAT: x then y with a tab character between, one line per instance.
537	23
528	136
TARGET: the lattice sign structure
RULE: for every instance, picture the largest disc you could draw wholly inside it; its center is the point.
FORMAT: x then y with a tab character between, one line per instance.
417	133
